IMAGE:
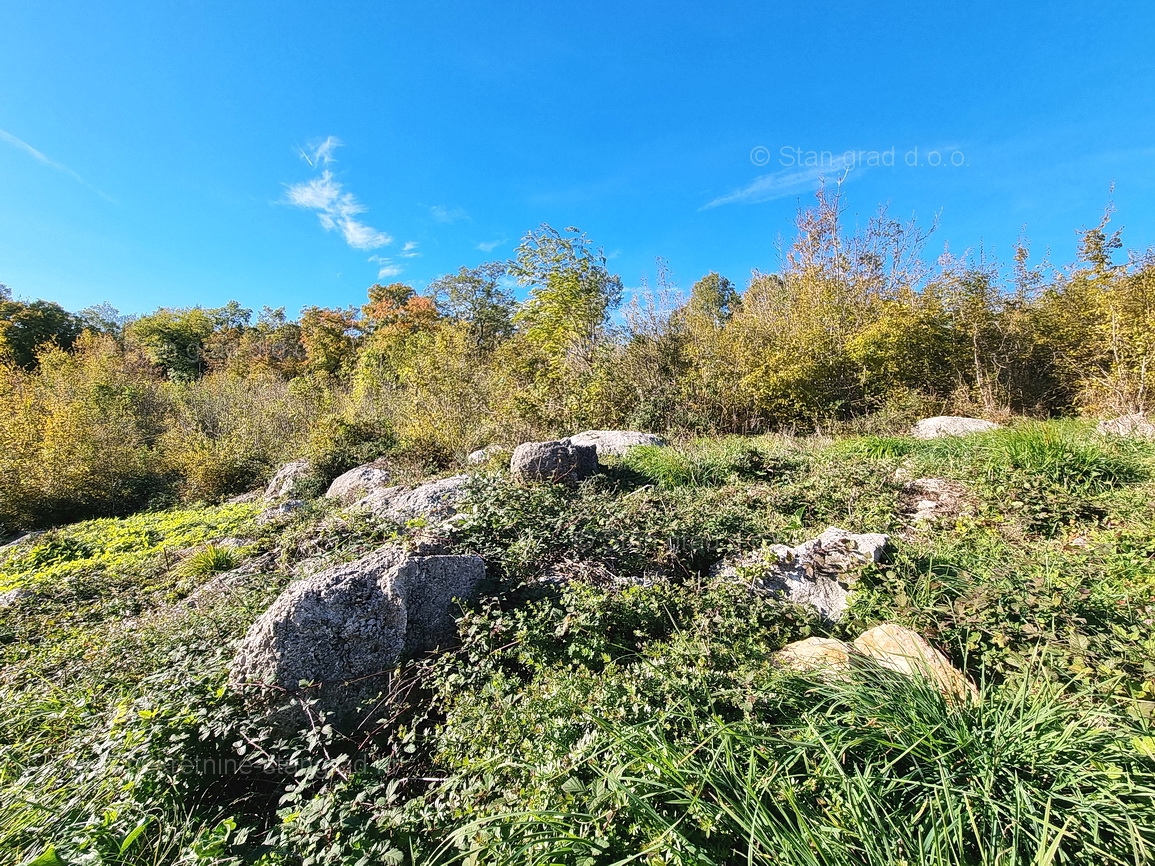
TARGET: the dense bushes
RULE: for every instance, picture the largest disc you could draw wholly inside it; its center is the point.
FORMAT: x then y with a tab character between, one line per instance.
855	329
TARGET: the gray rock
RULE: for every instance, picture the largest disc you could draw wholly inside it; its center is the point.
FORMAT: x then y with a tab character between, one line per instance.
345	628
13	596
280	511
281	484
434	500
615	443
950	425
1137	425
484	455
358	483
818	573
560	461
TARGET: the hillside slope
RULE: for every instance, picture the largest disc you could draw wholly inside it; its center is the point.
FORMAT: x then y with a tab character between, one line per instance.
613	699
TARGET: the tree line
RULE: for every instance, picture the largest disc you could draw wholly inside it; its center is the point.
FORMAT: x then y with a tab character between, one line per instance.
100	413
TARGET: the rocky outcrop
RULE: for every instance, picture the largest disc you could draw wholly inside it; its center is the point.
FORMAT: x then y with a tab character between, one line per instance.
281	484
344	628
1137	425
434	500
890	646
615	443
558	462
818	573
950	425
358	483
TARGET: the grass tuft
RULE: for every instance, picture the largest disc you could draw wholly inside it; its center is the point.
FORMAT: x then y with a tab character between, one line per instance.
209	560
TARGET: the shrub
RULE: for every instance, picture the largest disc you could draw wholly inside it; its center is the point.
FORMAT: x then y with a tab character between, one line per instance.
77	436
225	434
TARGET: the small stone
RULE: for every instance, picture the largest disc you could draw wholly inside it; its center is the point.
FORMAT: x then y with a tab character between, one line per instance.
13	596
484	455
280	511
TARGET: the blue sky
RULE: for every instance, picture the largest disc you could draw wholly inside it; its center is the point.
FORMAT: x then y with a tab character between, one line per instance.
181	153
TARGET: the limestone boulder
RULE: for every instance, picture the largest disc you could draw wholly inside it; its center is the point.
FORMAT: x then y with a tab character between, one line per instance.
950	425
1137	425
889	646
900	649
615	443
557	462
281	484
815	653
358	483
434	500
820	572
343	629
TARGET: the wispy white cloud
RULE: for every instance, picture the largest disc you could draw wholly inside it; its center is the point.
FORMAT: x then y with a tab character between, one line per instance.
20	144
781	184
387	267
320	153
448	214
410	251
490	246
336	210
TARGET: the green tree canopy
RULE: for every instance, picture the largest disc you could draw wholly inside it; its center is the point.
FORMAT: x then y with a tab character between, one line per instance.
713	297
571	291
476	298
27	327
176	339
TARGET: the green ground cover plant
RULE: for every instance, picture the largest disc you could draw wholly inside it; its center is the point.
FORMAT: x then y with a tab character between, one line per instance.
611	700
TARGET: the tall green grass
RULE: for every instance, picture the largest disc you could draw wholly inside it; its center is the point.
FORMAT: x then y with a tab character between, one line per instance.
872	769
703	463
